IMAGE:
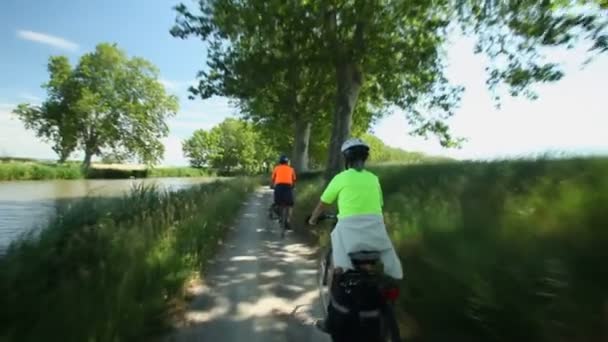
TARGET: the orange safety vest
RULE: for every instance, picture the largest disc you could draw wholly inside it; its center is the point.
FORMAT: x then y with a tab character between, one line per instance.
283	174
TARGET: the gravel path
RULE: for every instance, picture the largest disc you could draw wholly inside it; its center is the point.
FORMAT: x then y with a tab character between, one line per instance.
259	288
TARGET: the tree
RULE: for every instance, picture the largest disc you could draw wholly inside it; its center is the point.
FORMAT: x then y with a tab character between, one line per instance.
199	148
396	47
393	49
51	121
108	103
265	154
287	115
231	145
265	66
269	69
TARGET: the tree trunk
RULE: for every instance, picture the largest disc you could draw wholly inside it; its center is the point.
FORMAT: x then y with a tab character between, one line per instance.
88	155
301	143
350	80
63	151
90	148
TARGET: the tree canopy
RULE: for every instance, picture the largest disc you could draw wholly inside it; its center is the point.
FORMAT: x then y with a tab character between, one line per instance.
388	52
270	69
107	103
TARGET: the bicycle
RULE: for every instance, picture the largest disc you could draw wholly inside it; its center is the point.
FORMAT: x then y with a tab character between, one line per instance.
280	213
368	280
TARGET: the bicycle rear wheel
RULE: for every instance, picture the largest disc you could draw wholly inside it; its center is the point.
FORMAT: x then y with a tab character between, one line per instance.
284	212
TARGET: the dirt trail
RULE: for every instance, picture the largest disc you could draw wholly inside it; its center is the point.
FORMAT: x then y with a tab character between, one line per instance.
260	288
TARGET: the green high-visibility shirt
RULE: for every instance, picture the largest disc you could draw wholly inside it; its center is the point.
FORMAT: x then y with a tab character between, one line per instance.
357	192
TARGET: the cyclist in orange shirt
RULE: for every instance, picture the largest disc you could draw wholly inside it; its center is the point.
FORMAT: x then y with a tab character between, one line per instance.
283	181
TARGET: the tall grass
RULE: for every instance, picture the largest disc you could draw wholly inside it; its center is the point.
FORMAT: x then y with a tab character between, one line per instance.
37	171
501	251
107	268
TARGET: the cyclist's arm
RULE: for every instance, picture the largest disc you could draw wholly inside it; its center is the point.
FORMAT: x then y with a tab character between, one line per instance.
319	209
381	196
273	177
329	196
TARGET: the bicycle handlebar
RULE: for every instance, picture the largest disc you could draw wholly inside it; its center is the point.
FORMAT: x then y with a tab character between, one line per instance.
324	217
327	216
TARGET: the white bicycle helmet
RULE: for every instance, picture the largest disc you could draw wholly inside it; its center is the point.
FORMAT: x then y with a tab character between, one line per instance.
353	142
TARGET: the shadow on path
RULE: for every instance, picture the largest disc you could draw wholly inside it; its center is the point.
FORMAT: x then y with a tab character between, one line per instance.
259	288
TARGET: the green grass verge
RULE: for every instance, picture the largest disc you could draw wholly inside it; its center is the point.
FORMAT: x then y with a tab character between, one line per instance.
107	269
500	251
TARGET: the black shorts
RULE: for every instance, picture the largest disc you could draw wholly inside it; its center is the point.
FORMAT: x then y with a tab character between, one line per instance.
283	194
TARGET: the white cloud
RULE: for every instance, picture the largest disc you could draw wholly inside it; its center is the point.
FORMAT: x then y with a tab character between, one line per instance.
30	97
168	84
177	86
192	116
16	141
393	130
43	38
563	119
569	115
189	125
199	114
173	152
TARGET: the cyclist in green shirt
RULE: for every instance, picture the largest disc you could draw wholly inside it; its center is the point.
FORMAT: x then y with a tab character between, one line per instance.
360	224
360	220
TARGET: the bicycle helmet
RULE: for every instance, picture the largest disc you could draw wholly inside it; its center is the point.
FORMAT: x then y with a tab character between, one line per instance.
353	142
283	159
354	151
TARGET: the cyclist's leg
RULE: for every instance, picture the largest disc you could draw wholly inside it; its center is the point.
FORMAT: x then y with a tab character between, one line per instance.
276	201
289	213
289	202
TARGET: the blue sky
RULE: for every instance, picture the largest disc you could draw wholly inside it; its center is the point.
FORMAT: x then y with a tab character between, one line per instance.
569	116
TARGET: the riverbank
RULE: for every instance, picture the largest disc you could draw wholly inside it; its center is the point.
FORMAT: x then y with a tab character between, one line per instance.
109	269
497	251
11	170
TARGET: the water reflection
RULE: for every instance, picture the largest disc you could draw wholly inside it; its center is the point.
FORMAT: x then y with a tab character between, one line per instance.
28	205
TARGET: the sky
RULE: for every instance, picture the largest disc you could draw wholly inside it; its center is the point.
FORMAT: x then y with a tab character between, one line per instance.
569	116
